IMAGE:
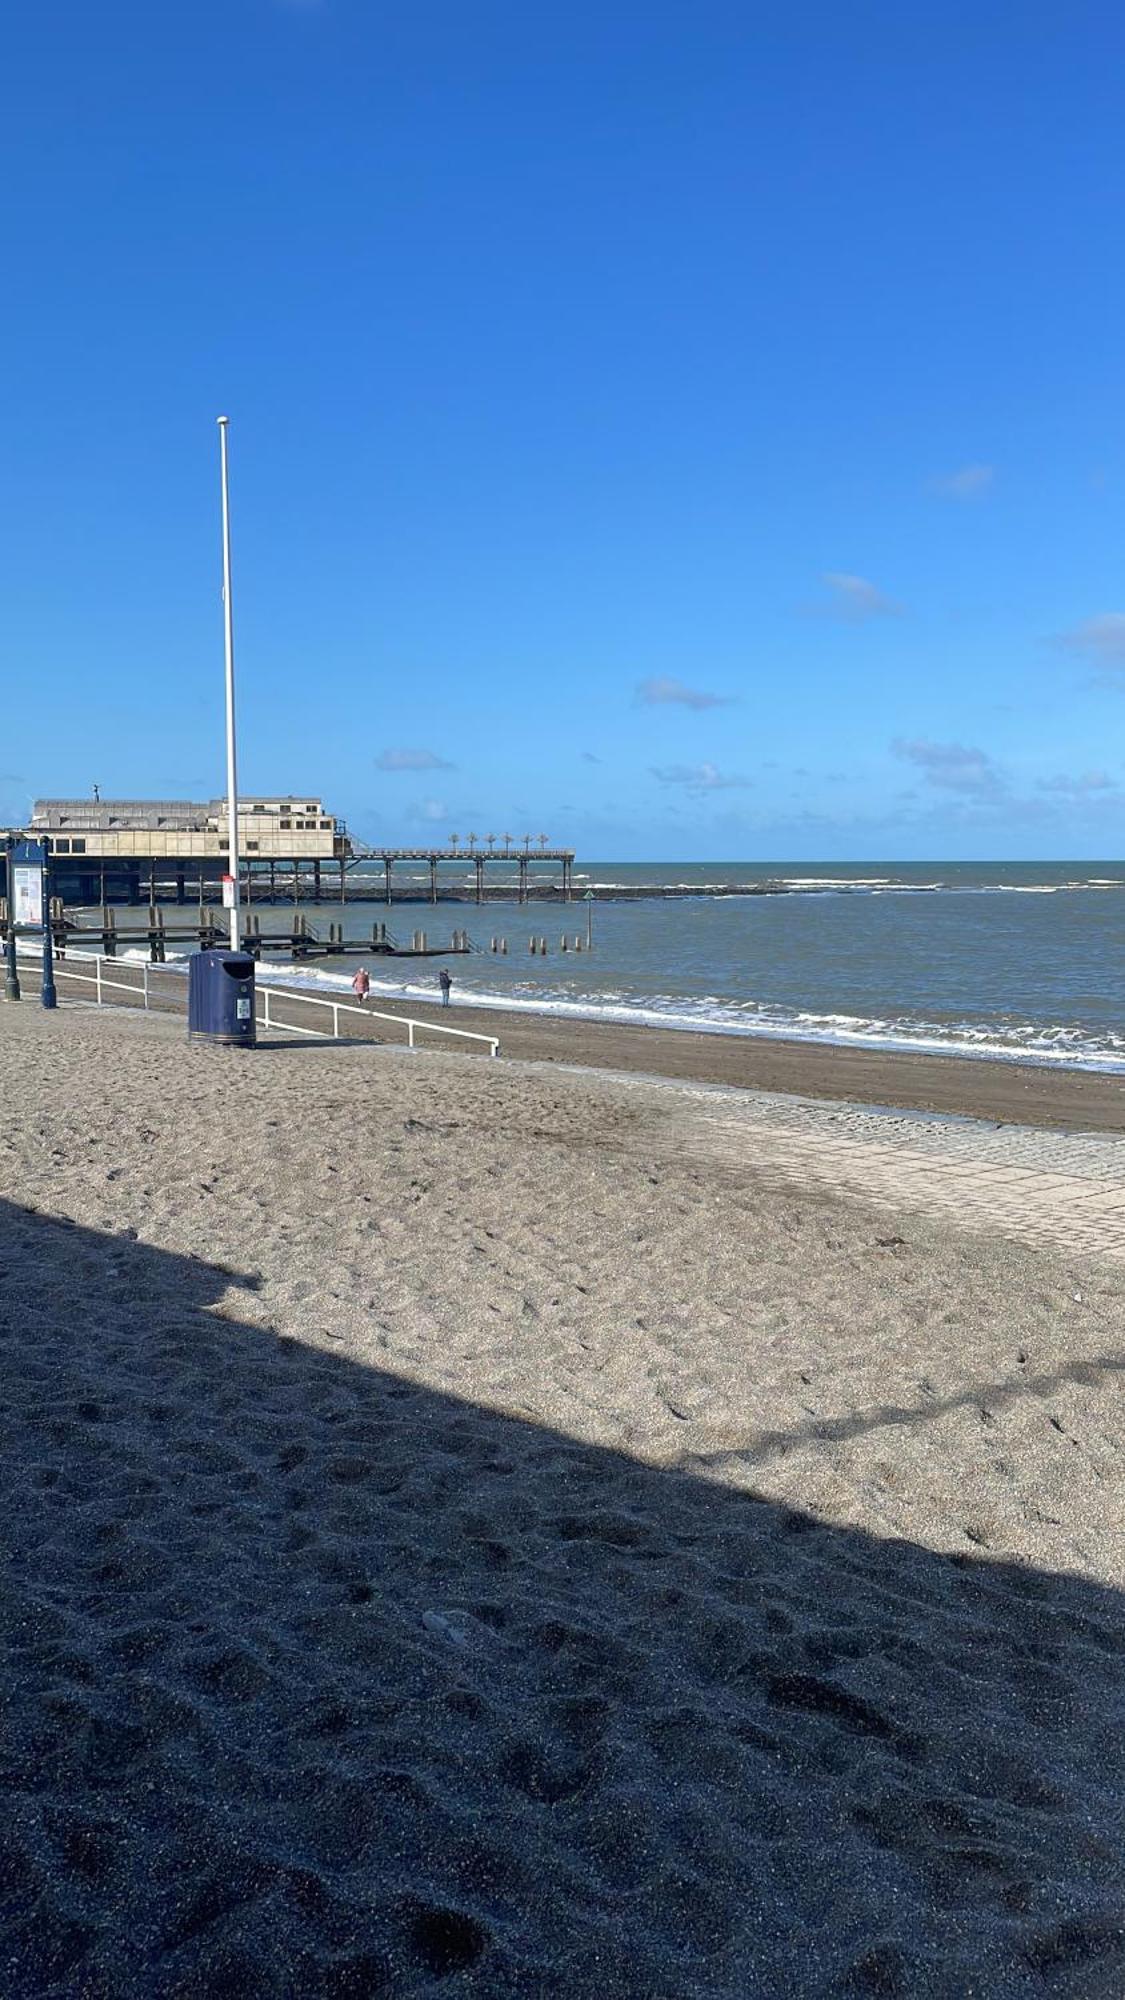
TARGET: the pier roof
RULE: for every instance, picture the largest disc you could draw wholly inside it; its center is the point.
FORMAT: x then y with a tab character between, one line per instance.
103	814
160	815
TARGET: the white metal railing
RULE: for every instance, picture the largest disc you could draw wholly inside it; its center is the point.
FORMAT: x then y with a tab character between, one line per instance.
338	1007
102	982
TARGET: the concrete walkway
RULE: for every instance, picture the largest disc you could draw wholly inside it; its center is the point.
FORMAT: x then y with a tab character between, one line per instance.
1063	1191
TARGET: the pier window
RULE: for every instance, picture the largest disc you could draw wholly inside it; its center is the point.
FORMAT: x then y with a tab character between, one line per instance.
78	847
62	847
286	824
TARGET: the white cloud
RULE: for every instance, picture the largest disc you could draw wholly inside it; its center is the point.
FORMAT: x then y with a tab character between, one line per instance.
857	599
664	688
412	760
1080	786
698	777
429	810
953	767
968	483
1101	639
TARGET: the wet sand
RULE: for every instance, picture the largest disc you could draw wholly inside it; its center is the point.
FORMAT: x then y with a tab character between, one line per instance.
1004	1093
954	1086
460	1541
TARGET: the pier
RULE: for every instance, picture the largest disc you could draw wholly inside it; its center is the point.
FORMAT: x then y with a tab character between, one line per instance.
291	850
480	860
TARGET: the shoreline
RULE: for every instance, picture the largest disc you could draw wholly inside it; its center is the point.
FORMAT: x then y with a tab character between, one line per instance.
998	1092
990	1090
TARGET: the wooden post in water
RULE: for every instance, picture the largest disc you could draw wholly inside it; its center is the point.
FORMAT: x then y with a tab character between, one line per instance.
387	872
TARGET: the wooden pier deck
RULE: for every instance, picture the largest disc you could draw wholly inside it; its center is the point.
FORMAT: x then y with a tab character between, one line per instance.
297	940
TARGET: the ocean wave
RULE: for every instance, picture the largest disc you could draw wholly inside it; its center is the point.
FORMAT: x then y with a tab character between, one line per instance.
1059	1045
1055	1045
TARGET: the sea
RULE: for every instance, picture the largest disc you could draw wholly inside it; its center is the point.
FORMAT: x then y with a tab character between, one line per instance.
1000	959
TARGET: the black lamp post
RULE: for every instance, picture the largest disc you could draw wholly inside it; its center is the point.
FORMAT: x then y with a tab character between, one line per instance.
47	991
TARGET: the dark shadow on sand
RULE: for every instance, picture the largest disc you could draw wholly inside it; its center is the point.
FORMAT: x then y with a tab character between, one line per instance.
1092	1371
319	1683
292	1045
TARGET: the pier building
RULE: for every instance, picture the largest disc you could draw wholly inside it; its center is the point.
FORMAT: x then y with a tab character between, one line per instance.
144	850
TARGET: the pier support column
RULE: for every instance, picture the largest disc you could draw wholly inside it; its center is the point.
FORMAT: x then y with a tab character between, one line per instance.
479	864
180	896
433	878
387	872
343	880
316	881
523	878
273	882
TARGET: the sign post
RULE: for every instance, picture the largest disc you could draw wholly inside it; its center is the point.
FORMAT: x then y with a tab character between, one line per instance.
29	909
12	974
588	899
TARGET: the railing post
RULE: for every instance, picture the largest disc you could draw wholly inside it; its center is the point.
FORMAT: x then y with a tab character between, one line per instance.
410	1034
98	980
144	970
335	1020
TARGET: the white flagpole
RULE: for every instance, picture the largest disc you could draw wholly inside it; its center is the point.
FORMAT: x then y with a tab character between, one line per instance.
228	622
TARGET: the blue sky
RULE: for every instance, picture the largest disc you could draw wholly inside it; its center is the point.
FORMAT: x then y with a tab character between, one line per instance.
690	431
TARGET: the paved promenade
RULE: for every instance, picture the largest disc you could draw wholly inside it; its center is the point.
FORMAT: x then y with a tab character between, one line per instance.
1057	1190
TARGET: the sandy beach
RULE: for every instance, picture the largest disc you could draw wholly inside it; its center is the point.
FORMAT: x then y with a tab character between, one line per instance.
481	1528
1037	1094
1009	1092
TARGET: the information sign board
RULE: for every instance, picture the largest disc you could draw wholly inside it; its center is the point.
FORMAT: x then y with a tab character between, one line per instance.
27	896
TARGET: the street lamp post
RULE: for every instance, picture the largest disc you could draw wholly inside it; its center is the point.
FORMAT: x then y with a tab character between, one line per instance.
228	632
